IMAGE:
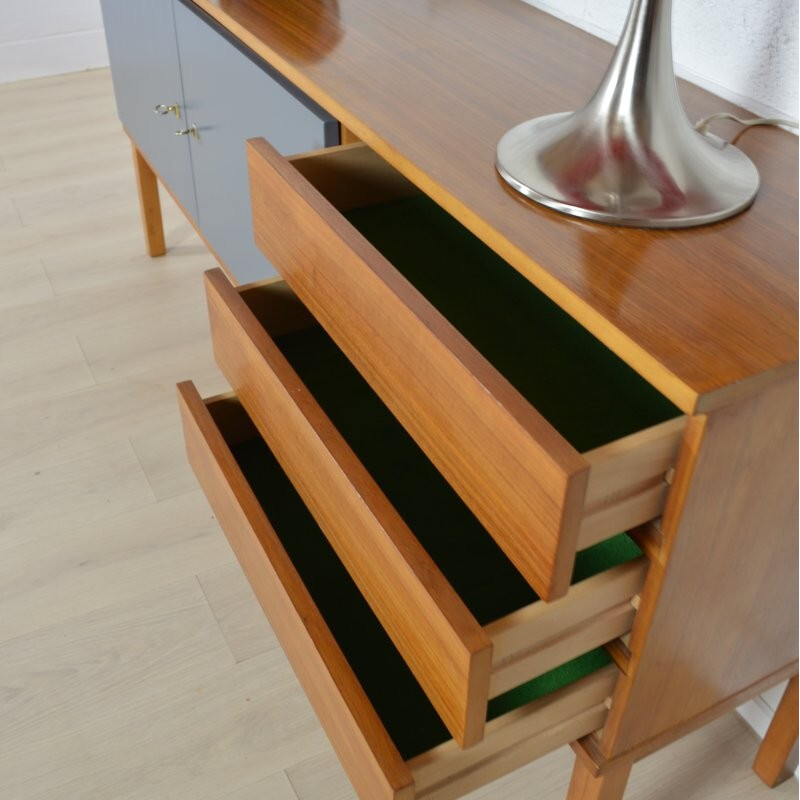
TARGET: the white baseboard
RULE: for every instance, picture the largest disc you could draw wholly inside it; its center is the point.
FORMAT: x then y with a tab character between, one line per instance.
52	55
757	714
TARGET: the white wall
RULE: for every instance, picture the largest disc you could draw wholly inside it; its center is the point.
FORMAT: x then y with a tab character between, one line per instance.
48	37
744	50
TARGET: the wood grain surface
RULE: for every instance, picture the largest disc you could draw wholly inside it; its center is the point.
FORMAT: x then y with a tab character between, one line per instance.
149	205
611	786
705	315
719	614
541	636
446	772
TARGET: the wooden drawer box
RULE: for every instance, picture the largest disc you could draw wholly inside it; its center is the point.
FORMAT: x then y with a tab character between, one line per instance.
464	619
551	440
383	729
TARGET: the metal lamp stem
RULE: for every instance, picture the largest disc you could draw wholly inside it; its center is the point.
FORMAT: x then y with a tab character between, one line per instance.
630	156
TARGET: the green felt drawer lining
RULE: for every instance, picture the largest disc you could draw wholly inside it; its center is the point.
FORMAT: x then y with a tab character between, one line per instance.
464	551
398	699
585	391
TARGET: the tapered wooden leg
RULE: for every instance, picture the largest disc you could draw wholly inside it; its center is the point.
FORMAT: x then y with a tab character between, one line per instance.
608	786
150	205
770	763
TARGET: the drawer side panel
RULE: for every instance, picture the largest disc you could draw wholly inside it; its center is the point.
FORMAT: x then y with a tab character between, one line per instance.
357	734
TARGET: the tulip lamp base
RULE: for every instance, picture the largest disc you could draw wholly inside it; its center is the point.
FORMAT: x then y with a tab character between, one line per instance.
568	163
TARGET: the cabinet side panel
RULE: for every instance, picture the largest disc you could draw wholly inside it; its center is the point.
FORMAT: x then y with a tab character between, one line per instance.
721	615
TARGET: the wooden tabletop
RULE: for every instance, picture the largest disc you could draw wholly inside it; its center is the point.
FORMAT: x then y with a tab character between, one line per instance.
705	315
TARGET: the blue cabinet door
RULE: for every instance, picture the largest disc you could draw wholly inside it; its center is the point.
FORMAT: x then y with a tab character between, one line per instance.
145	69
231	96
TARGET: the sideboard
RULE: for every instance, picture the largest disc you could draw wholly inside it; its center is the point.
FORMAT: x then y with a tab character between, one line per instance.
501	480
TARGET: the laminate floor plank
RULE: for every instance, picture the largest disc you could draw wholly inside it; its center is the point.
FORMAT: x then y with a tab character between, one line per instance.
10	219
22	146
94	564
44	502
58	91
132	268
162	454
127	349
42	366
24	282
55	104
240	617
164	301
40	172
54	430
26	243
79	206
321	776
275	787
68	689
217	734
51	430
51	221
135	663
713	763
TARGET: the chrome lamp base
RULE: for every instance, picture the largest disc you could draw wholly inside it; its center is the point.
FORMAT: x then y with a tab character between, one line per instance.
631	157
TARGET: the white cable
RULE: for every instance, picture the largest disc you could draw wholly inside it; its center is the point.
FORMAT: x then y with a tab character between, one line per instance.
703	125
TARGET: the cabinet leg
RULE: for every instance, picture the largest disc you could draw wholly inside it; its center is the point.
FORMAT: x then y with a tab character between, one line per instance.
150	205
608	786
781	737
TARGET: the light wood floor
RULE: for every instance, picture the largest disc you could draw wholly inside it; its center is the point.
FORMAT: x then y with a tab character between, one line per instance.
134	662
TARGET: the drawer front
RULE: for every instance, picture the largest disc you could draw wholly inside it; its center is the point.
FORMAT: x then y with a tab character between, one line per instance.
459	664
230	98
440	640
519	476
377	771
144	66
358	734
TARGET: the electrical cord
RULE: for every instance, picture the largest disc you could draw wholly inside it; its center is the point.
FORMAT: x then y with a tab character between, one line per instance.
703	125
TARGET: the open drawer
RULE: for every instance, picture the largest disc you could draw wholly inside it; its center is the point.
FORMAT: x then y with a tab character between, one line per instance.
385	732
467	623
549	438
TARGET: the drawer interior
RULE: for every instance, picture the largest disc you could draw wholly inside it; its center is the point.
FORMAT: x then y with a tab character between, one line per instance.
583	389
470	559
400	703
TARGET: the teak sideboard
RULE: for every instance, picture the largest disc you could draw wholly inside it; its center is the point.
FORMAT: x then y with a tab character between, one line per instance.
500	479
